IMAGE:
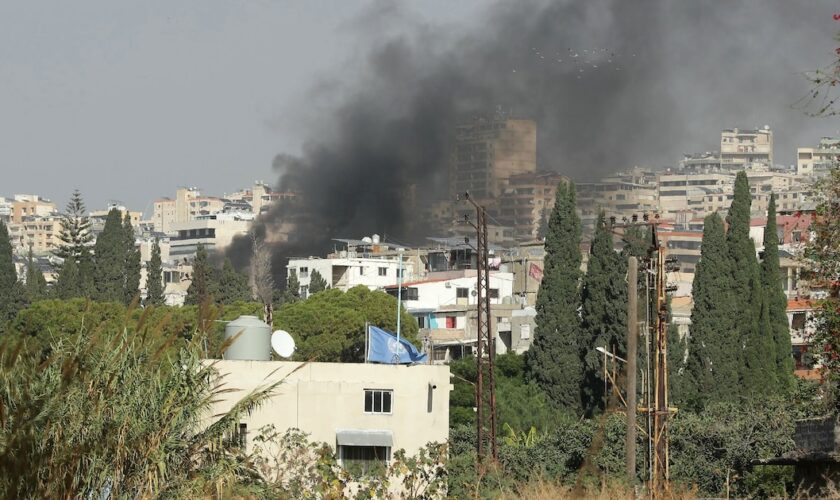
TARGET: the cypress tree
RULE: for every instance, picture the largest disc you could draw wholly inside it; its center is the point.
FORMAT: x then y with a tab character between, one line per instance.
11	294
67	285
758	365
36	285
776	300
109	260
86	274
714	351
553	360
154	278
292	292
202	285
316	283
233	285
132	262
603	312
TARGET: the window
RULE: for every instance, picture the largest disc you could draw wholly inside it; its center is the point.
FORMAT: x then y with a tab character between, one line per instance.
362	460
361	270
303	272
450	322
421	321
383	271
400	273
304	291
242	435
410	293
494	293
798	321
378	400
462	293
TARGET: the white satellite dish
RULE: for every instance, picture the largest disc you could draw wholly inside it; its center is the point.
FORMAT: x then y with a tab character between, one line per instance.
283	344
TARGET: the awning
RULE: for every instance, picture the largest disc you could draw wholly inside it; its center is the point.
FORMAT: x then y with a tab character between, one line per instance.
353	437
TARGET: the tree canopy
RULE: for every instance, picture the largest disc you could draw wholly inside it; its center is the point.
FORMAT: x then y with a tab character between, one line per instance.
331	325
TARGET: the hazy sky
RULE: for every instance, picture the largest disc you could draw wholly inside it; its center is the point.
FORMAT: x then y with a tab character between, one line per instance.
128	100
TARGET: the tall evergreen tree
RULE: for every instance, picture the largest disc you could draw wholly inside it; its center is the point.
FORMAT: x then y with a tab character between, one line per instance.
109	260
36	285
603	312
292	292
75	279
233	285
202	286
132	262
67	284
553	360
317	283
714	350
154	278
11	292
758	365
75	232
776	300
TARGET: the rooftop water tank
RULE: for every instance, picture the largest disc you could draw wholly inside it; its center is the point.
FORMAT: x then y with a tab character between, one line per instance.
375	239
253	344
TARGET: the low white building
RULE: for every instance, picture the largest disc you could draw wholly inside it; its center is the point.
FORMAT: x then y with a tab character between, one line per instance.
344	273
451	288
214	232
365	412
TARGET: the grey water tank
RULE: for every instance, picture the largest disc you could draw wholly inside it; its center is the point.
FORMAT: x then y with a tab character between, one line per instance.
253	344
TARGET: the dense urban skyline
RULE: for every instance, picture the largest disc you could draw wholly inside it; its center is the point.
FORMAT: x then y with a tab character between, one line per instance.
175	95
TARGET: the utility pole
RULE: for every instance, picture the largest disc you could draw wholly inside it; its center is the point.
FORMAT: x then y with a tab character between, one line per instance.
632	342
485	389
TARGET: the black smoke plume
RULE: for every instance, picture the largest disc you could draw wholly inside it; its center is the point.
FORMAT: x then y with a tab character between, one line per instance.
610	83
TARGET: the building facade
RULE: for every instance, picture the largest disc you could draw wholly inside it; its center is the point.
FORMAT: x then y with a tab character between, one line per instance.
743	148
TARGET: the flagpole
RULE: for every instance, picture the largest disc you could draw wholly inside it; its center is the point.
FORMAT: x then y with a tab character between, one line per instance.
399	292
367	340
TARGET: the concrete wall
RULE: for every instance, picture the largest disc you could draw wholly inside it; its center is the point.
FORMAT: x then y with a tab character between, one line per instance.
321	398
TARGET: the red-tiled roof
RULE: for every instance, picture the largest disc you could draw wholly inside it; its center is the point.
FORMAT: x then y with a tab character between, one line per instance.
799	304
422	282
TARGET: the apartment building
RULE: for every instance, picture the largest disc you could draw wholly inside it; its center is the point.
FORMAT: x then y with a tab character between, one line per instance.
699	193
527	201
743	148
488	151
187	205
701	163
30	205
818	160
215	232
41	234
619	195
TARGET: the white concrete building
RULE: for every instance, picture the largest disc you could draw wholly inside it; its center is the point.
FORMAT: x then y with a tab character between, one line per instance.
365	412
344	273
444	289
818	160
743	148
214	231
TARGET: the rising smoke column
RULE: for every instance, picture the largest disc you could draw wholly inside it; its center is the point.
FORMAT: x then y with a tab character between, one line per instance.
611	84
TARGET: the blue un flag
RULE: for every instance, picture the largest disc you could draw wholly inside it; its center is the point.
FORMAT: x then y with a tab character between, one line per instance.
383	347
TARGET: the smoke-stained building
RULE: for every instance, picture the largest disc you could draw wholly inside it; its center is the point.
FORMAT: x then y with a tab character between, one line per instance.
741	148
490	150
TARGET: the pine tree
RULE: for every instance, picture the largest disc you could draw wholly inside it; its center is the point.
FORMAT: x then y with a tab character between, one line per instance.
233	285
553	360
154	278
202	287
109	260
714	350
758	365
316	283
776	300
292	292
75	228
36	285
603	312
11	292
131	287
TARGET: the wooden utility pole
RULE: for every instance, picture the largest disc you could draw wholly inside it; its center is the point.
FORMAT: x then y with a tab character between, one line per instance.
632	342
661	411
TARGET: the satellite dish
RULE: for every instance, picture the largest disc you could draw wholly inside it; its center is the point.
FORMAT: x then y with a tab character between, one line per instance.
283	344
